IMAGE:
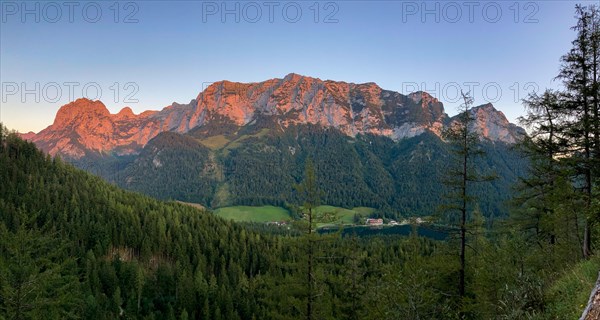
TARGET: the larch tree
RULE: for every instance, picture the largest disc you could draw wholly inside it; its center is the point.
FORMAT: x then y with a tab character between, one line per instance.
463	141
311	195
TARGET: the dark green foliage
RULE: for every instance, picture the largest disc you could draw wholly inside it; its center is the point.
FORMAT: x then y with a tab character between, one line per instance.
580	110
38	279
74	246
114	254
121	254
134	255
399	178
173	160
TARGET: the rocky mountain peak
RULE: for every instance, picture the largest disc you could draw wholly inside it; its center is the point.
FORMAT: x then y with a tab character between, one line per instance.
78	109
423	98
85	125
27	136
125	113
492	124
294	77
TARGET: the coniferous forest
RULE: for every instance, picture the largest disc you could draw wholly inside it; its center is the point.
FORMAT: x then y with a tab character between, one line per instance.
73	246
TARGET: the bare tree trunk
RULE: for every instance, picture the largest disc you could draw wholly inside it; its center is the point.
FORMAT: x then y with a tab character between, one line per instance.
595	47
587	249
595	20
463	221
309	274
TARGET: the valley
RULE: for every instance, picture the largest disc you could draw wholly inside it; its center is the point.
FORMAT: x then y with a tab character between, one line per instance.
242	144
266	214
309	160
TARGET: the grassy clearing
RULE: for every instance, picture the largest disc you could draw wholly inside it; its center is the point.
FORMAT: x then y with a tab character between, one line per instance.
343	215
254	214
219	142
365	211
238	142
215	142
221	195
568	296
271	213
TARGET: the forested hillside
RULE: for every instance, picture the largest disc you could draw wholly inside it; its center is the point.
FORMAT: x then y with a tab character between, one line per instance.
259	166
74	246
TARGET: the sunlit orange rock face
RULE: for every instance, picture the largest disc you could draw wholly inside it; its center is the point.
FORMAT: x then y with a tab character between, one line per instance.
492	124
85	126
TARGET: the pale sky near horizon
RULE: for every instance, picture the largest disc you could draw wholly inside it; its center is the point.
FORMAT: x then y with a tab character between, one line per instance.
148	54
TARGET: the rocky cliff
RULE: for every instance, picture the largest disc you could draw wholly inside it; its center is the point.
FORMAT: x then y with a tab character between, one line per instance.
85	126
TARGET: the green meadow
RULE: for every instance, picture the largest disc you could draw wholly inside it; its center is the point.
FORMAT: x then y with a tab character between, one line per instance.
254	214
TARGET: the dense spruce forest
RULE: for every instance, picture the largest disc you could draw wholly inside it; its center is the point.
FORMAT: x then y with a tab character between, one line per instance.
400	179
74	246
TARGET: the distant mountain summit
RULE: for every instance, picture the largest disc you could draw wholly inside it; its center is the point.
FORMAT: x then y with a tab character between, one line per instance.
86	127
493	125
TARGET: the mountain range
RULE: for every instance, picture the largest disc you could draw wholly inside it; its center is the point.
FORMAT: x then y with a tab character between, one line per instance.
85	126
245	143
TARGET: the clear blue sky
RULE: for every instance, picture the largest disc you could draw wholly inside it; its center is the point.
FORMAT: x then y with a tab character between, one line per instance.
171	50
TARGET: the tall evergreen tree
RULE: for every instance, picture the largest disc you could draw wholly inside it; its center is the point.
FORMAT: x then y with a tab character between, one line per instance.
594	13
539	191
311	195
463	141
579	73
